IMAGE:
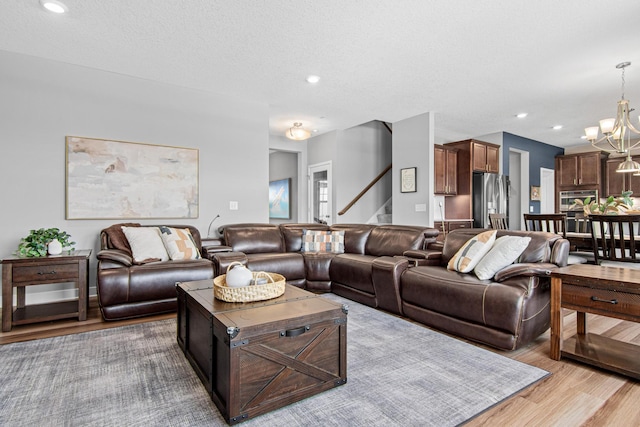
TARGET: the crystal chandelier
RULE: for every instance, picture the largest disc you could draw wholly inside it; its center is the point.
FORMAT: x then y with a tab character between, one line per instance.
298	133
616	133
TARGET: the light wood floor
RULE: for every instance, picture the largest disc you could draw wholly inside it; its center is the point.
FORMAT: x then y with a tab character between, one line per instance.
574	395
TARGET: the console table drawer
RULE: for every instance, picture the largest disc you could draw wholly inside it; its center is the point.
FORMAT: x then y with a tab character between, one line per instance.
48	273
601	300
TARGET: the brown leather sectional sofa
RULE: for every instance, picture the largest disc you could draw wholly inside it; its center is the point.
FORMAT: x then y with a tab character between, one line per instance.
354	274
400	269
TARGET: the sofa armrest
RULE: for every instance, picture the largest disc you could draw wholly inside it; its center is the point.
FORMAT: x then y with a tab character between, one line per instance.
418	257
121	258
209	251
435	246
385	275
534	269
222	260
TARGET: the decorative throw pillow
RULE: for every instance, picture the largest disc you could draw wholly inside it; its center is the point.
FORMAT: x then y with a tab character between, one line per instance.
504	252
472	252
146	244
179	243
323	241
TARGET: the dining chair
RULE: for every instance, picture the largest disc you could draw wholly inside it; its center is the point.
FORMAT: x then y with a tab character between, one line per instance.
498	221
554	223
616	240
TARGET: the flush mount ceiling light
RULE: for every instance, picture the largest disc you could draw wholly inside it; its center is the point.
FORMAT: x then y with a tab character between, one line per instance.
297	132
313	79
617	132
54	6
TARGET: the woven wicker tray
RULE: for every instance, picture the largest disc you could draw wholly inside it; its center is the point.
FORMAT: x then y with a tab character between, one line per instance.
272	289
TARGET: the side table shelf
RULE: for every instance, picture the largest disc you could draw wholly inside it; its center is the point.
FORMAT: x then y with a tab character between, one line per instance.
22	272
606	291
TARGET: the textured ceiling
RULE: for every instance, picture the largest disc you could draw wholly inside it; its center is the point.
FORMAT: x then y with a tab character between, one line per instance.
474	63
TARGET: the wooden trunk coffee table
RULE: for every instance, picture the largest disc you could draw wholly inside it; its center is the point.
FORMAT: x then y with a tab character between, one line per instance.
607	291
256	357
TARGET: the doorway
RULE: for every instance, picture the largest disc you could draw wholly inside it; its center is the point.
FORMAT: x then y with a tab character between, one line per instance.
547	191
320	206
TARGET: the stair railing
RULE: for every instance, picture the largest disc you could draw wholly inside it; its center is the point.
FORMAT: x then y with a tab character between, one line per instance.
364	191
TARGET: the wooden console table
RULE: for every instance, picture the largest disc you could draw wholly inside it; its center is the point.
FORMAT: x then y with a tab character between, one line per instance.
21	272
607	291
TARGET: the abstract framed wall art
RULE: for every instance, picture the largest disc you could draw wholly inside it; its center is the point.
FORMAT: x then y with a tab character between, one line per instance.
280	199
108	179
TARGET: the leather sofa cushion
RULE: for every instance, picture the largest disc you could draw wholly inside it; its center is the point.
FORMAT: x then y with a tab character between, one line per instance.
149	282
254	238
290	265
353	270
317	265
292	234
355	236
463	296
390	240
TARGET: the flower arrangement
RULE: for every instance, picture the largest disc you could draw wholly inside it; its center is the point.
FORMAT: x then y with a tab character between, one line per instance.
35	244
611	205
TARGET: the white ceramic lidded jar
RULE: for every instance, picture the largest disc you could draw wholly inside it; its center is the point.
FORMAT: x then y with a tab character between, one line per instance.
54	247
238	275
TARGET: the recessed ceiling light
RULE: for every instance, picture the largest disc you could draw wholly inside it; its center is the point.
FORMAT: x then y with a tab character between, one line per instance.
313	79
557	127
54	6
583	137
315	131
521	115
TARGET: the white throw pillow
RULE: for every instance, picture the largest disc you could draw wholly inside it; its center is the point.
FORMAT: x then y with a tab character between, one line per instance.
179	243
146	243
504	252
472	252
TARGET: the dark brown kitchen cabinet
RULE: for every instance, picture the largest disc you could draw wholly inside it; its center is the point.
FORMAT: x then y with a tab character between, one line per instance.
486	157
617	182
579	170
473	156
445	170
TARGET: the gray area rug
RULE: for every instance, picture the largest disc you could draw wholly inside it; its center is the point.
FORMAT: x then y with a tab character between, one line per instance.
399	373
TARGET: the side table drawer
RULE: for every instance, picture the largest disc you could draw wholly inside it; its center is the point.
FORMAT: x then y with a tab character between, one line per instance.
48	273
601	300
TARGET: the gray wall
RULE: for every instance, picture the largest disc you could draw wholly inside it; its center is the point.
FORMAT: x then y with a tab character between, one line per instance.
413	141
357	155
43	101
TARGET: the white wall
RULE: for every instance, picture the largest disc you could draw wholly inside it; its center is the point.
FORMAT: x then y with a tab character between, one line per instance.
43	101
413	141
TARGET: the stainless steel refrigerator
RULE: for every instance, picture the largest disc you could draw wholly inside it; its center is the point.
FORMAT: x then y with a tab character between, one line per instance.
490	194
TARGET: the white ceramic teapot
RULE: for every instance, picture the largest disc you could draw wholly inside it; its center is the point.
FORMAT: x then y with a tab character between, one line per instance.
238	275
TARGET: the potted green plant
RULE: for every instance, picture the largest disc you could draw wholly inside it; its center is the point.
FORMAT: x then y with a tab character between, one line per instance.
35	244
611	205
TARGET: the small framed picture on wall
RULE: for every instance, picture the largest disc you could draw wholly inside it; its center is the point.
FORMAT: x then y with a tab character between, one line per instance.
535	192
408	180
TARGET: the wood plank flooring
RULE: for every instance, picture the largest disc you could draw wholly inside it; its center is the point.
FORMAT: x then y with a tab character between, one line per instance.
574	395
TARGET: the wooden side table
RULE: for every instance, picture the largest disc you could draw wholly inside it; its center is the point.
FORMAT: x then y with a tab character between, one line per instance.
607	291
22	272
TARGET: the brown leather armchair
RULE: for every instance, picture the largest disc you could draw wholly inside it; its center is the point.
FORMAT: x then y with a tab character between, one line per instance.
127	290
